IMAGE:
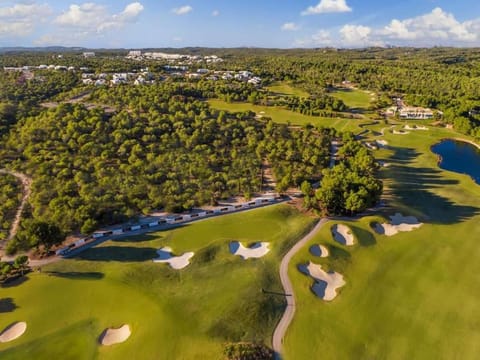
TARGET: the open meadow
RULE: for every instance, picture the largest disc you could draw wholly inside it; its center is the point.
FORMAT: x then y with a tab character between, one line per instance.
186	314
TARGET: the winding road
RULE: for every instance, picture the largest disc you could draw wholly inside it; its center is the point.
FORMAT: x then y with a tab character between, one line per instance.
287	317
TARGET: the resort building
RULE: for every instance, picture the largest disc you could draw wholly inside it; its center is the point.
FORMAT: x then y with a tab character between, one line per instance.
416	113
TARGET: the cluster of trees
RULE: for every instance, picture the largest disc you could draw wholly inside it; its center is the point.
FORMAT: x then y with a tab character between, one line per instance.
247	351
16	88
350	187
10	271
315	106
164	149
40	235
10	196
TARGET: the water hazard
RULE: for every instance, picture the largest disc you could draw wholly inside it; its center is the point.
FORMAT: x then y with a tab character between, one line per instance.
460	157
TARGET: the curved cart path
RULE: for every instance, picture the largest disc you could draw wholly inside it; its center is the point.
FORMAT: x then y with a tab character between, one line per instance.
287	317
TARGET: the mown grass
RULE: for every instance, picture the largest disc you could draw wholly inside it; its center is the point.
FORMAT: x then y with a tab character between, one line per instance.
186	314
284	116
410	296
353	98
285	88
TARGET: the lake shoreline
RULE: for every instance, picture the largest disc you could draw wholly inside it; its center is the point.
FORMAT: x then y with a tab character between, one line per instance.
461	161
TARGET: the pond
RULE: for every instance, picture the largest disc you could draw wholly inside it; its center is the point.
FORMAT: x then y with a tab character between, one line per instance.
460	157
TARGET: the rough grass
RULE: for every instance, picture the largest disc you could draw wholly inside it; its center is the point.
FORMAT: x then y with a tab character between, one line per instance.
186	314
410	296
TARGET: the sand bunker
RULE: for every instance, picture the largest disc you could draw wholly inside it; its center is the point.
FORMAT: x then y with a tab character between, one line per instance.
112	336
176	262
319	250
343	234
13	331
400	132
256	250
326	284
382	143
415	127
399	223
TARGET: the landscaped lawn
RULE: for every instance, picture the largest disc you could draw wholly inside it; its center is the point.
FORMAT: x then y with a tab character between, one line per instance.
187	314
410	296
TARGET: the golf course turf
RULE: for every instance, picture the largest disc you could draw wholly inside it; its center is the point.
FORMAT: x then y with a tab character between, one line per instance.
413	295
410	296
173	314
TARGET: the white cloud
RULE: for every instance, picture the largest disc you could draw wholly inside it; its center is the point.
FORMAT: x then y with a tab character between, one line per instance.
182	10
215	13
95	18
320	39
328	6
434	28
437	25
290	26
21	19
356	35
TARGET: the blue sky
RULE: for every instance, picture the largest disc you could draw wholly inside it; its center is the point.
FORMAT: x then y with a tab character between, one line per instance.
225	23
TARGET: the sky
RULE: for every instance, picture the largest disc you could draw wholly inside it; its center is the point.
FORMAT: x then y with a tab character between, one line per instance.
229	23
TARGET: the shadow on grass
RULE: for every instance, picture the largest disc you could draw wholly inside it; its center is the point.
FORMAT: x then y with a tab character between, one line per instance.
136	238
118	253
7	305
412	187
364	237
15	282
74	275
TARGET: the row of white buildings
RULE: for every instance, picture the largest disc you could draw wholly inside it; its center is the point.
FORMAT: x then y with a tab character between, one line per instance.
186	59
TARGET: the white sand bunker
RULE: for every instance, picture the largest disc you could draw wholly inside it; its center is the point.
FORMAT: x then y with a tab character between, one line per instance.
319	250
382	143
415	127
256	250
112	336
176	262
326	283
343	234
401	132
13	331
399	223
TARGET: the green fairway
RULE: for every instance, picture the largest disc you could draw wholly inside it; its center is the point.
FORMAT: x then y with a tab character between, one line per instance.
284	88
410	296
283	116
186	314
354	98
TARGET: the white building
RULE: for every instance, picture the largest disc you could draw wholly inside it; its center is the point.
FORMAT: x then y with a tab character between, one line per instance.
415	113
134	53
88	54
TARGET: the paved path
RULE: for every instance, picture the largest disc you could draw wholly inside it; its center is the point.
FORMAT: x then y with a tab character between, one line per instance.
288	289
